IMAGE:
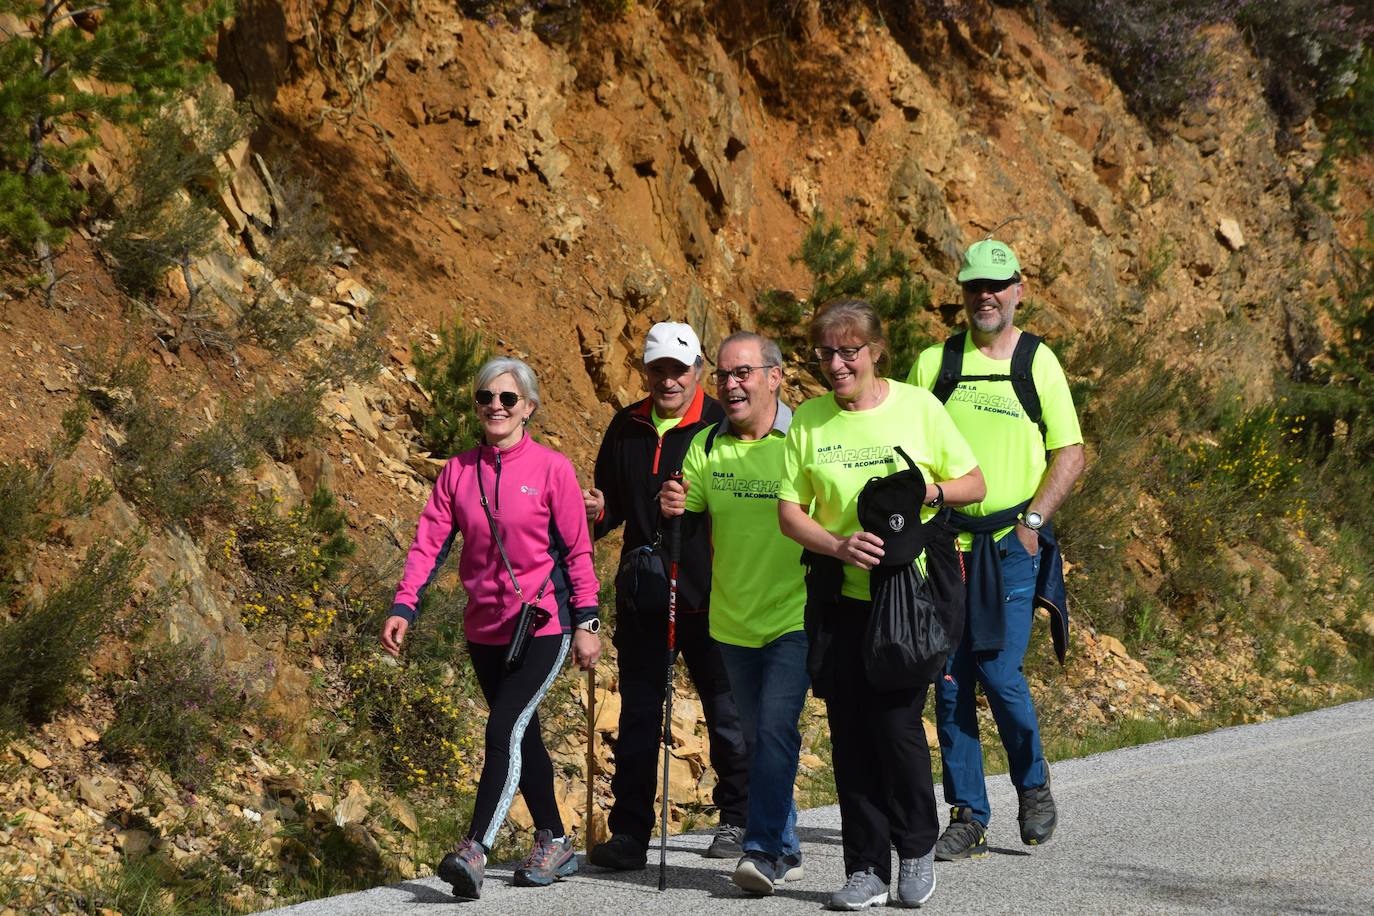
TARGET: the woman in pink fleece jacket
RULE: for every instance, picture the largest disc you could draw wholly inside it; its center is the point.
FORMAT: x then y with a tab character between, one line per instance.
536	508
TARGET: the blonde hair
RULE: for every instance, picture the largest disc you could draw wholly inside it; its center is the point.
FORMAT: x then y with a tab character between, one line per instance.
850	316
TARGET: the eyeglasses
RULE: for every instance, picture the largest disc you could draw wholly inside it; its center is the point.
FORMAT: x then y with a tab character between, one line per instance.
740	373
848	354
977	287
508	398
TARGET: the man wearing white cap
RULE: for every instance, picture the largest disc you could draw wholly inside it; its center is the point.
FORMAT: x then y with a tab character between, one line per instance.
643	447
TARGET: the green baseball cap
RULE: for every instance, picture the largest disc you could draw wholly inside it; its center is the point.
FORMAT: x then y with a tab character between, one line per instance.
989	260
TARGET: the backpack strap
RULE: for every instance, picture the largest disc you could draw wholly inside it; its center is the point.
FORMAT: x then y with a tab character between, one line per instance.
1021	380
711	436
951	367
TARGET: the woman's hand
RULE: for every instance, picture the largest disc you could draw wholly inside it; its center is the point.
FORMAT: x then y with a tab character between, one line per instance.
393	633
586	649
862	549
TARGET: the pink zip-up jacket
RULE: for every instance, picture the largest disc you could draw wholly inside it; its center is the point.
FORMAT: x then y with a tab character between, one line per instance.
532	493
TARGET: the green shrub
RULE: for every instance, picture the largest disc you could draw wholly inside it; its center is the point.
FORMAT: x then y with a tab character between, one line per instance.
446	372
27	489
179	712
297	248
166	212
44	650
884	279
290	561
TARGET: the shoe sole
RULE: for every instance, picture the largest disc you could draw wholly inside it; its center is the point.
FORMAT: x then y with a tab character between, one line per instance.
525	878
976	852
875	900
715	852
749	879
461	882
616	864
795	873
917	904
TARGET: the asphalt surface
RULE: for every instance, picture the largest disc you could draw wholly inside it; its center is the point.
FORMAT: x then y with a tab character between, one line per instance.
1266	818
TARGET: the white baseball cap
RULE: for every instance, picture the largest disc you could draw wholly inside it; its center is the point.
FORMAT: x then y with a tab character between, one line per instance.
674	341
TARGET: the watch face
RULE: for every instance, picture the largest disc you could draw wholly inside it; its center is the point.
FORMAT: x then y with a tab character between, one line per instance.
1034	520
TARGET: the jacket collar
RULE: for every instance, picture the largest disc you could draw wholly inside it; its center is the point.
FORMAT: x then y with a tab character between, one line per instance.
644	409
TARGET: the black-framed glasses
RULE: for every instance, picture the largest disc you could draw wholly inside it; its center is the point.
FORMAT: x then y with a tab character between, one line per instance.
485	396
739	373
848	354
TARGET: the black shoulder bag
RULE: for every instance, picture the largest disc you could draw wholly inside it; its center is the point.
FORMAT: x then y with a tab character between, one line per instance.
531	614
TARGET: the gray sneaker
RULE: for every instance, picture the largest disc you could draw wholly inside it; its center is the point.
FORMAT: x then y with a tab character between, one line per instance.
863	889
1036	814
727	843
916	880
755	874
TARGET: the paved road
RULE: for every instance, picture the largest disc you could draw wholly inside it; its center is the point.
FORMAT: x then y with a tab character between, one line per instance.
1266	818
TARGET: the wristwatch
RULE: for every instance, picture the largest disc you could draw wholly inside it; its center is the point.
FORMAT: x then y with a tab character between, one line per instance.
1032	520
591	626
938	499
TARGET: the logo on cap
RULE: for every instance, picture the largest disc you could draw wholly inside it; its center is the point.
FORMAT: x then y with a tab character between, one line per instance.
998	256
896	522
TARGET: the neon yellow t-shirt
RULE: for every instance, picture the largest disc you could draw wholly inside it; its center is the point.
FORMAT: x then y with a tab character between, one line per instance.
757	590
663	424
1007	444
831	453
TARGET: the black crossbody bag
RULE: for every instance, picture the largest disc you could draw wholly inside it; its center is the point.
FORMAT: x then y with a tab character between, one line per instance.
531	614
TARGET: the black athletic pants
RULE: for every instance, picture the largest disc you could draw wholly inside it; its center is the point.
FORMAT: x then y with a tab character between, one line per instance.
515	752
881	759
643	655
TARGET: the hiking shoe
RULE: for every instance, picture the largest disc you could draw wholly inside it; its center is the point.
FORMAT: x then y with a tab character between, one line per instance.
789	868
964	838
727	843
621	852
1036	814
916	880
863	889
755	874
550	860
463	869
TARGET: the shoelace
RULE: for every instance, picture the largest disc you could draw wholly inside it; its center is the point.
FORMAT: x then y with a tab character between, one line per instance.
729	832
1035	802
857	879
964	832
542	854
910	868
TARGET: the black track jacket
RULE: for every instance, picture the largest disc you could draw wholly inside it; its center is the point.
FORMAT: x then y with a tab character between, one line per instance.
630	470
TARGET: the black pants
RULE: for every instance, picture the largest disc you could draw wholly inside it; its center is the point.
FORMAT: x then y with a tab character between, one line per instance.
515	752
881	759
642	653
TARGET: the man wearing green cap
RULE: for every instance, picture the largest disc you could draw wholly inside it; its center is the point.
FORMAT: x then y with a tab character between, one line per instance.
1008	396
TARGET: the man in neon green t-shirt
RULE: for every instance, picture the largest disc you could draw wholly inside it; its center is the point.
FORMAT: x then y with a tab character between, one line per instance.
730	480
1007	394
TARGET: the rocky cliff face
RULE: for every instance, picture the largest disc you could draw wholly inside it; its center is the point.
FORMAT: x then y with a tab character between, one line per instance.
563	195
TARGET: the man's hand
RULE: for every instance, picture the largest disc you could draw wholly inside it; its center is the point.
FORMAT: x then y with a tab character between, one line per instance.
595	501
862	549
1029	539
586	649
393	634
672	499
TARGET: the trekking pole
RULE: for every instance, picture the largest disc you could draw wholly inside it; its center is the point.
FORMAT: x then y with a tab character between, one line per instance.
591	755
674	532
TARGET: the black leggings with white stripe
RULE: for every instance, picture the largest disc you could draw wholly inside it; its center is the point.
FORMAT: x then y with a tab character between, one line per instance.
516	755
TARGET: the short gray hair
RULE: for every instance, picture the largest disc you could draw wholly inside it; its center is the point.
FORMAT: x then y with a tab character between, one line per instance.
517	369
770	352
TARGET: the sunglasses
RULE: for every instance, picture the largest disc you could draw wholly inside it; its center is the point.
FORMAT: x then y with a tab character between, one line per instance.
739	373
977	287
848	354
509	399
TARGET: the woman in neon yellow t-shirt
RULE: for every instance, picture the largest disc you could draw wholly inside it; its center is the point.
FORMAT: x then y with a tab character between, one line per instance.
835	444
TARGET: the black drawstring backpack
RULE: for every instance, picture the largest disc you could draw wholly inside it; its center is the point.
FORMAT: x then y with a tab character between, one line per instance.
916	620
